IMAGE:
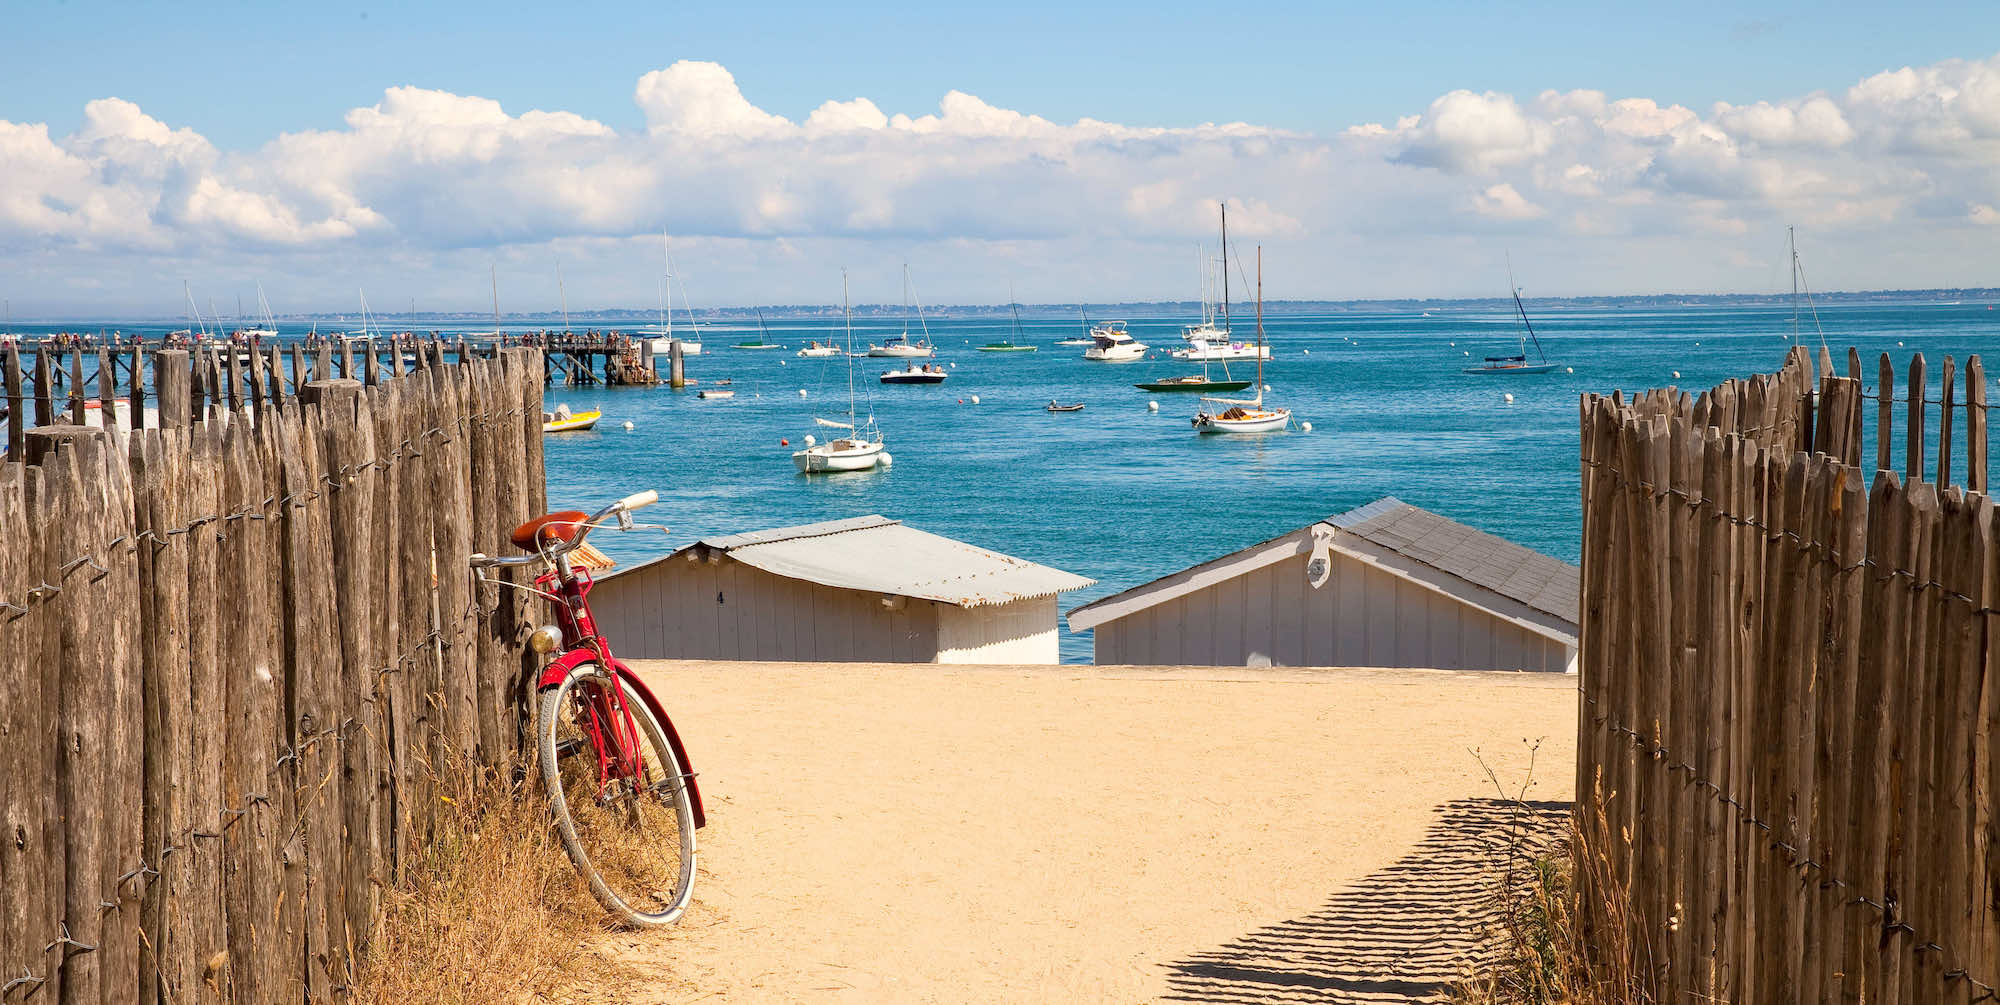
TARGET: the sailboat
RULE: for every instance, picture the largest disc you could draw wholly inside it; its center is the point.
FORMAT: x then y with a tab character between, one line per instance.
900	346
1209	315
859	447
1083	339
760	342
663	336
265	326
1008	344
1517	363
1244	416
1799	284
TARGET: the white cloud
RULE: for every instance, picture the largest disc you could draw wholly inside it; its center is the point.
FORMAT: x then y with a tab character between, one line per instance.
423	176
1502	202
1467	132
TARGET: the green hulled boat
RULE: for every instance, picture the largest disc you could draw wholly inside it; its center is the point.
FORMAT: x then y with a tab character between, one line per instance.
1195	382
1007	344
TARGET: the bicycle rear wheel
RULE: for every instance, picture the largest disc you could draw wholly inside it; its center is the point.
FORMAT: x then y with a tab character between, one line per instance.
633	841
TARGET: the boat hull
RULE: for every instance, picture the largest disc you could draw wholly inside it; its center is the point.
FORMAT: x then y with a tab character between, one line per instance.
1006	348
749	346
826	459
913	378
901	352
1484	371
1120	354
1217	354
1203	386
574	424
1262	423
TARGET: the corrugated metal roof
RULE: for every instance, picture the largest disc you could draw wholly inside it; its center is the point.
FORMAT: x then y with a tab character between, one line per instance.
1546	584
880	555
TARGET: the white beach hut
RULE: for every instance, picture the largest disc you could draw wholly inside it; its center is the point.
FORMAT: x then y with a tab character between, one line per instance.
1385	585
866	589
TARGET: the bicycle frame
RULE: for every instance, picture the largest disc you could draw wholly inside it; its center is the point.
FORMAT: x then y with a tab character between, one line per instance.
583	645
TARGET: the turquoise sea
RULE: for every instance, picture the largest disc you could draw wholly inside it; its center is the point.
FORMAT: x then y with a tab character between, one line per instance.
1123	495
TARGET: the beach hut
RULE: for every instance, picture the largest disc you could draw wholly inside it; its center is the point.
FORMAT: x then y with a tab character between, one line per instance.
867	589
1385	585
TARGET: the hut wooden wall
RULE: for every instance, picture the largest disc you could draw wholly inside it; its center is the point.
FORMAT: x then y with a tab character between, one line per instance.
245	652
1363	616
679	608
1020	631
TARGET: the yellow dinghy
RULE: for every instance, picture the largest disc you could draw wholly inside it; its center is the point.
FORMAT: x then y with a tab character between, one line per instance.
569	423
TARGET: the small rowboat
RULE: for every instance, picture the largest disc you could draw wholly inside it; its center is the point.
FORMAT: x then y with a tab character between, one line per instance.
705	395
1053	407
574	424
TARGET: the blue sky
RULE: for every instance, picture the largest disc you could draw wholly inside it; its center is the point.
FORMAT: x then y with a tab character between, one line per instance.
240	74
1383	149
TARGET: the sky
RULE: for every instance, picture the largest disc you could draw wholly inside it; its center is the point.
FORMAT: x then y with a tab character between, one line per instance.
1075	151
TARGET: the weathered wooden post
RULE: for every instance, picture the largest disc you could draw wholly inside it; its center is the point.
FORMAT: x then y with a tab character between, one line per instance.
17	424
676	366
170	382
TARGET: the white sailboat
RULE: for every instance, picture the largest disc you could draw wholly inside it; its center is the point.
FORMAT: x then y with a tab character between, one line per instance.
858	447
1083	339
265	326
1240	415
900	346
663	337
1209	331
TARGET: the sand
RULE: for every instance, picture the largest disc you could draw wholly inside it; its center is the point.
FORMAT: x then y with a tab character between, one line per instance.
1033	834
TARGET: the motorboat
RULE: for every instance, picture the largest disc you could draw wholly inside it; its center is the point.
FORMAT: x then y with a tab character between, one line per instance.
1111	343
1205	351
562	421
903	347
929	373
817	348
706	395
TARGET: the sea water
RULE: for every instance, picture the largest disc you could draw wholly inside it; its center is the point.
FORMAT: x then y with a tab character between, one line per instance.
1123	495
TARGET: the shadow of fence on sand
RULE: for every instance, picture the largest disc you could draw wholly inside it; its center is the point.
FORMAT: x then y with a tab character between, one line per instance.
1406	933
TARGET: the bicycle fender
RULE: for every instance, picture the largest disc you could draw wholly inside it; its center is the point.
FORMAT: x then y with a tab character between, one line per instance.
559	668
673	739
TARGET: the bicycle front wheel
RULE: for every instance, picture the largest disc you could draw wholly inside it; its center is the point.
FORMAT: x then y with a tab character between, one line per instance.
632	838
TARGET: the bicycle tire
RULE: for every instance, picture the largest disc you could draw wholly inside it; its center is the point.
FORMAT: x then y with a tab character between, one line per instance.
636	850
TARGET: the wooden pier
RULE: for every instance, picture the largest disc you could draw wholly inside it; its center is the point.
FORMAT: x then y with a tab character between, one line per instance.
73	360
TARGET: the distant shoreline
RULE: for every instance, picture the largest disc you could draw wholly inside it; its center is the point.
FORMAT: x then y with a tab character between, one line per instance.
1148	308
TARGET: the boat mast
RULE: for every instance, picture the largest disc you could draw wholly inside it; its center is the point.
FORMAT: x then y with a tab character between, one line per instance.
562	293
1225	271
1016	308
847	318
1260	323
1792	248
1525	323
667	284
493	274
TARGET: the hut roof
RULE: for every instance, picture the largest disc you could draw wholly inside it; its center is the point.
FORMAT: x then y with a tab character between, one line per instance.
880	555
1416	544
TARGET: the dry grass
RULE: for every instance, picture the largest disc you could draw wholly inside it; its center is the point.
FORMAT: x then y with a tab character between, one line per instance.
1557	949
491	911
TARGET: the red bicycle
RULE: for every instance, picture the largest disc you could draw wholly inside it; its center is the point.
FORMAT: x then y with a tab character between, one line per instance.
623	798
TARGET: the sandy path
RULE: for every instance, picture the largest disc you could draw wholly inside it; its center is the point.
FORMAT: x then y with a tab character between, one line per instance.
1054	834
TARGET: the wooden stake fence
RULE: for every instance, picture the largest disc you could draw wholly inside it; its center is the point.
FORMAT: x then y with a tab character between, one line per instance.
247	655
1788	692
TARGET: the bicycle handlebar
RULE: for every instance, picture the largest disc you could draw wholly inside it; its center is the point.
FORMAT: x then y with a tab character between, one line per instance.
637	500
